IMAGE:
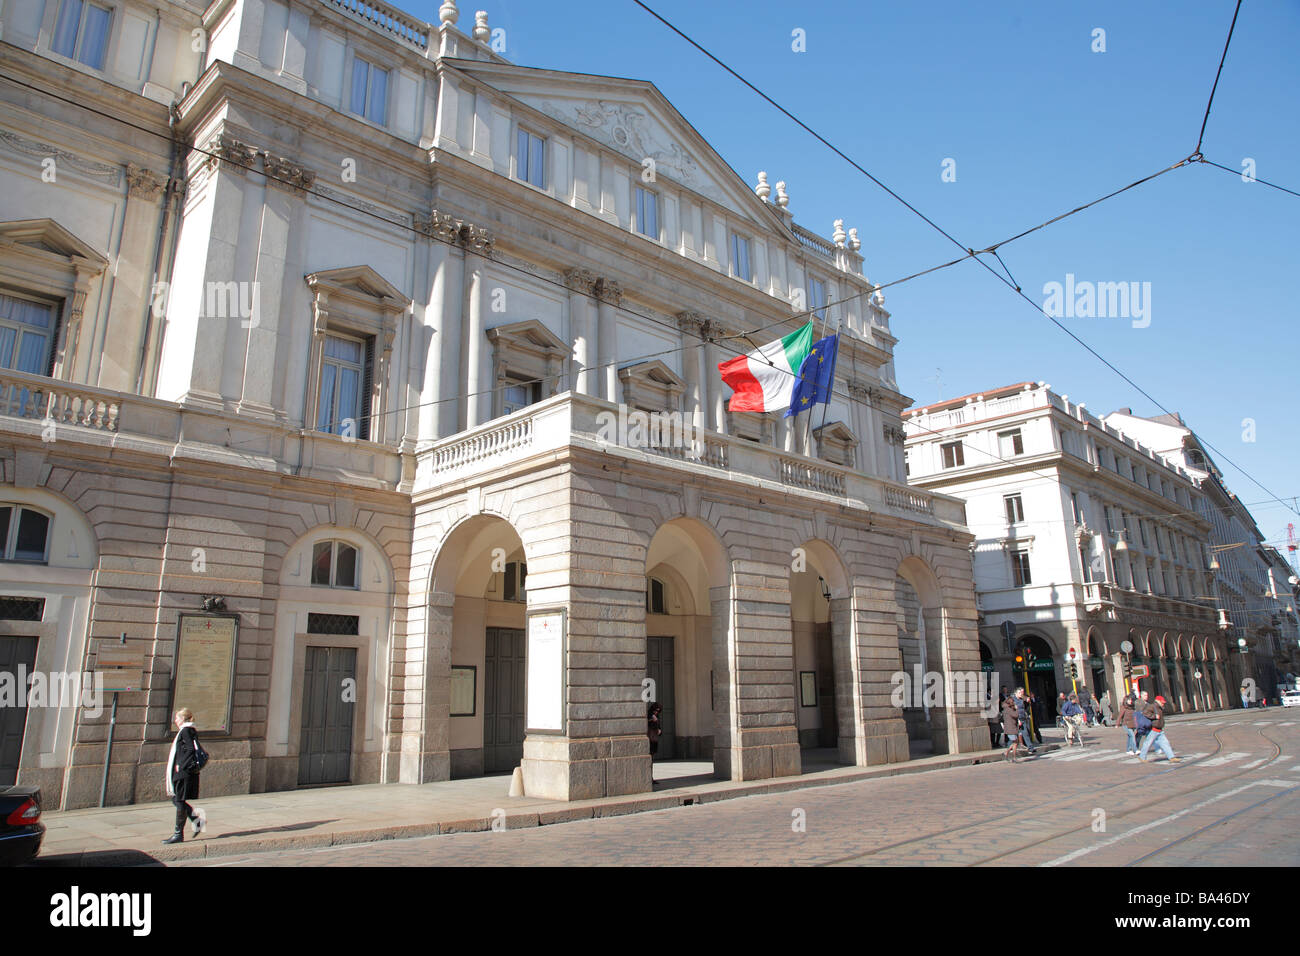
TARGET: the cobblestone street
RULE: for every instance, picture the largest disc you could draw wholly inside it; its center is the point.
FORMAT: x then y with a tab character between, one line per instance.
1231	802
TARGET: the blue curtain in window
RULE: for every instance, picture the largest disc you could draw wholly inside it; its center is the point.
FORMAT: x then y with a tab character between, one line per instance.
536	173
378	96
65	30
349	392
359	70
94	42
325	413
31	354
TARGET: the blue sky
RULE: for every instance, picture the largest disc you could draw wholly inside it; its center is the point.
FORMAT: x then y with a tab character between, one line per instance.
1036	123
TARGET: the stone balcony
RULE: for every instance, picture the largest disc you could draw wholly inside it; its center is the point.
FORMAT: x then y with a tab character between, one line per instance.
109	424
581	422
1104	596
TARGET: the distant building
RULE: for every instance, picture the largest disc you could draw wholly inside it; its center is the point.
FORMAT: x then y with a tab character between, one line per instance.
1249	584
1084	539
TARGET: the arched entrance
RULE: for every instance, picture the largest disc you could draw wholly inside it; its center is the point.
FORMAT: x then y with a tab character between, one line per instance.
820	623
922	660
1096	662
686	573
482	570
1036	672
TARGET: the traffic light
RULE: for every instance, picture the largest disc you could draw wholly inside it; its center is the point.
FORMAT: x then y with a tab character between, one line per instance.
1074	671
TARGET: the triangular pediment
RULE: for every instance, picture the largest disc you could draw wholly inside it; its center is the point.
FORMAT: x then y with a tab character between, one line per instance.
360	281
837	432
655	372
48	237
633	118
530	332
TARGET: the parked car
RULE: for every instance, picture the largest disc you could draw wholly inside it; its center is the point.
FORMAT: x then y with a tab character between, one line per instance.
1291	698
21	829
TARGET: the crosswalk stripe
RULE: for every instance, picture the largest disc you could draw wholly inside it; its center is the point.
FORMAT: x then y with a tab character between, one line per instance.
1225	759
1262	723
1289	723
1253	764
1118	755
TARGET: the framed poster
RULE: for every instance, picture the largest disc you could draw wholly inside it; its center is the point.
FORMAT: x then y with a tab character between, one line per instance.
203	669
544	698
463	690
808	688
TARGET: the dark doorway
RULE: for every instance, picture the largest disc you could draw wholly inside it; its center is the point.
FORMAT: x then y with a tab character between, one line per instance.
15	653
828	735
503	695
1041	678
325	748
659	668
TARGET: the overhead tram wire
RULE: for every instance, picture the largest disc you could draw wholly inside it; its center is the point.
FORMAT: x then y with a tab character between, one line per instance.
970	251
1256	179
1217	73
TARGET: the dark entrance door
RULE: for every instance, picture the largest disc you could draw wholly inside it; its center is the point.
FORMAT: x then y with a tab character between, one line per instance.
15	653
503	695
325	748
659	668
829	733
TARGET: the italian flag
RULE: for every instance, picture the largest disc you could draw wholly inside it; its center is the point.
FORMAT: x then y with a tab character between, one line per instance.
763	381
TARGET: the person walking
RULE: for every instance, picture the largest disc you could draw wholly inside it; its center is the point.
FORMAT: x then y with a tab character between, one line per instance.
1025	730
1107	714
1037	708
1126	720
183	776
1073	715
654	729
1011	726
1157	736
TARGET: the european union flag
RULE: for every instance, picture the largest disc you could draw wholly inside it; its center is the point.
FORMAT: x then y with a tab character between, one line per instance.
816	376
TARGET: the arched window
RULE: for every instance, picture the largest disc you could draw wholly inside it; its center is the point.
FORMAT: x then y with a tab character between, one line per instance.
25	533
335	564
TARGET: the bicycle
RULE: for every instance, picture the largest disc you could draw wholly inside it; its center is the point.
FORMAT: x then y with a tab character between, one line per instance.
1074	731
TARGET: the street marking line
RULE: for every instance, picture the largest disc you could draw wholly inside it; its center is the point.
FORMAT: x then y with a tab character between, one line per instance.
1084	851
1118	755
1289	723
1253	764
1226	758
1262	723
1082	755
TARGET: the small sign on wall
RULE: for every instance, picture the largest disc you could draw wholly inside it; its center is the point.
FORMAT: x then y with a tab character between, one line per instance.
545	694
463	690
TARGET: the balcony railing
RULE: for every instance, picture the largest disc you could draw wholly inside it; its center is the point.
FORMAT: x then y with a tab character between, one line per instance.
1106	593
582	422
814	242
386	19
59	403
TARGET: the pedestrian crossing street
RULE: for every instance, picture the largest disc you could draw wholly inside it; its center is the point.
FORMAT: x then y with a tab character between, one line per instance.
1230	759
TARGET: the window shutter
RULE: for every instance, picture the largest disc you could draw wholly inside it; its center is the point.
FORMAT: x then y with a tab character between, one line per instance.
367	388
56	329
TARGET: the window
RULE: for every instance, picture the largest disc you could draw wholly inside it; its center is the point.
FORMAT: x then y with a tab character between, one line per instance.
654	597
25	534
369	91
1010	443
516	577
954	455
1074	508
647	213
531	161
1060	434
1085	564
1110	521
817	298
1015	508
519	393
26	331
1020	569
334	564
1142	527
740	258
344	403
81	33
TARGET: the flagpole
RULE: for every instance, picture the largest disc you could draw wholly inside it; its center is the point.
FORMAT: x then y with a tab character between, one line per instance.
827	405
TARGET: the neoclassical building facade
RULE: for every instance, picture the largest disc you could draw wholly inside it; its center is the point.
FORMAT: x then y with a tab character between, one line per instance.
361	386
1085	540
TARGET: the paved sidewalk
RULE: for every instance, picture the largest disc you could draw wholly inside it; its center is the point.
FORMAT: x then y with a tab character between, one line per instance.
329	816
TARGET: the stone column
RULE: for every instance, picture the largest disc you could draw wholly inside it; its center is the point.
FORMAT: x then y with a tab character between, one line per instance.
876	636
425	741
281	223
759	659
132	285
610	296
586	380
471	344
725	733
441	344
692	368
716	401
848	688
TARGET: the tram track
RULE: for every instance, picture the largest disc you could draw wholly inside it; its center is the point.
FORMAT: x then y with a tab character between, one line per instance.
1020	812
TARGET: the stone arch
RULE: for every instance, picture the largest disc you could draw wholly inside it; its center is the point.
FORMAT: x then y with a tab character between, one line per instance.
923	653
688	650
825	651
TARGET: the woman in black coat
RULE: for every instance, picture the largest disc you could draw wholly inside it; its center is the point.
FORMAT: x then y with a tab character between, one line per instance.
183	776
